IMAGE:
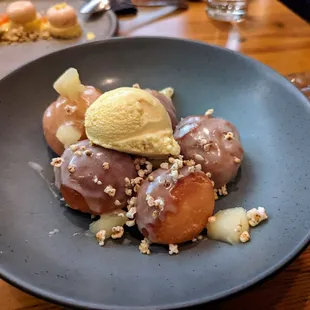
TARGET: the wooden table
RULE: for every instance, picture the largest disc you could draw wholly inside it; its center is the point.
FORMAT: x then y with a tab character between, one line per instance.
273	35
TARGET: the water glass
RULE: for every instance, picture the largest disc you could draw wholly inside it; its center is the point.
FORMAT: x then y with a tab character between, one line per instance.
227	10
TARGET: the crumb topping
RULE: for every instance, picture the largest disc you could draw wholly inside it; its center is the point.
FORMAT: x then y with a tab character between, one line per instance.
88	152
255	216
209	175
78	153
106	166
209	112
237	160
70	109
164	166
143	167
150	200
144	247
74	147
117	203
110	191
207	147
211	219
150	178
100	236
245	237
127	182
71	168
128	192
199	157
222	191
96	180
229	136
57	162
131	213
173	249
117	232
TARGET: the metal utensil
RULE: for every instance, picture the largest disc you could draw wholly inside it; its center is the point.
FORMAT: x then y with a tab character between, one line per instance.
94	6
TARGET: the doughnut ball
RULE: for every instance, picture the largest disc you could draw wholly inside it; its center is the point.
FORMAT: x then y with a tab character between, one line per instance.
171	211
92	178
63	120
212	142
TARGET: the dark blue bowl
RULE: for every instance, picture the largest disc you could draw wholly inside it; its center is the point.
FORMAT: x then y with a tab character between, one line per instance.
273	118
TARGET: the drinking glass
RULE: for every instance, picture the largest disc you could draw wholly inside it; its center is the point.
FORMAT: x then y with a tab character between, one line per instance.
227	10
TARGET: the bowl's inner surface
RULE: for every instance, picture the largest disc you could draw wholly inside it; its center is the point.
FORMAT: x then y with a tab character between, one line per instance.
273	120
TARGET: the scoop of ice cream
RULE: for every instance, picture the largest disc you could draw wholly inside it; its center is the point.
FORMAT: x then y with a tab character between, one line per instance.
212	142
131	120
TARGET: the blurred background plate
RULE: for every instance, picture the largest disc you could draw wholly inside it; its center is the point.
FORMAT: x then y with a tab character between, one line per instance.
13	56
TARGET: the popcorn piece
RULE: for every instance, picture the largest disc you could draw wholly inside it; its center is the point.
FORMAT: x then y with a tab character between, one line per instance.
132	201
141	173
144	247
128	192
237	160
74	147
164	165
57	162
209	112
71	168
96	180
100	236
199	157
88	153
159	203
117	232
127	182
207	147
106	166
245	237
110	191
224	190
198	167
229	136
171	160
255	216
173	249
150	178
150	200
70	109
78	153
131	213
190	163
211	219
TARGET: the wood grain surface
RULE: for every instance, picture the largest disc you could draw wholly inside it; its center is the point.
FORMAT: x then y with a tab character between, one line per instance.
273	35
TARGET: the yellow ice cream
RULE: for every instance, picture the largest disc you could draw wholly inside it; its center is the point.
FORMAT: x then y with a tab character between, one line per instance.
131	120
